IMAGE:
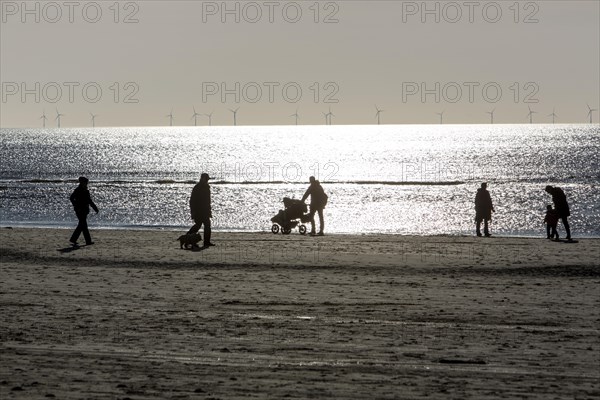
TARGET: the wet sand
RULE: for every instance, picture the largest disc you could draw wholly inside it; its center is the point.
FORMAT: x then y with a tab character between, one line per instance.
265	316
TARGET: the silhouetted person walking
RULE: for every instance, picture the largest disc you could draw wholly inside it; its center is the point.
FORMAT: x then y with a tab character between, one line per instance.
82	201
561	206
318	201
483	210
200	207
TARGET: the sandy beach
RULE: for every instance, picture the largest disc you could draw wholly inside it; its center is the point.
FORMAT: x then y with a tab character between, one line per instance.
272	316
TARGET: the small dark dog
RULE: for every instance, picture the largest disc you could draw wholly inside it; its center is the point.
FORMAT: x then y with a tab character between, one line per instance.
189	240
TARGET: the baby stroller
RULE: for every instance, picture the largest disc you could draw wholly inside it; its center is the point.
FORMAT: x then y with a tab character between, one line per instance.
287	219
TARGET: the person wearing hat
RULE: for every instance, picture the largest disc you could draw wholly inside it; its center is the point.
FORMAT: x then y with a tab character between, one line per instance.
483	210
201	209
561	206
82	201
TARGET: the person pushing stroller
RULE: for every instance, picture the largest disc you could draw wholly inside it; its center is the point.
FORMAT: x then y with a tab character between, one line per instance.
318	201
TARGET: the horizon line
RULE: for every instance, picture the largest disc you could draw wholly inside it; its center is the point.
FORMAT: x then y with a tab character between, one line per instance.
294	125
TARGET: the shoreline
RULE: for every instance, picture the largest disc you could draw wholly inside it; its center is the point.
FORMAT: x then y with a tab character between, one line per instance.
264	249
183	229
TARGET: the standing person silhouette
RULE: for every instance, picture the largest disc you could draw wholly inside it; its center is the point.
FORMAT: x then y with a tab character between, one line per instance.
551	220
483	210
82	201
200	208
318	201
561	206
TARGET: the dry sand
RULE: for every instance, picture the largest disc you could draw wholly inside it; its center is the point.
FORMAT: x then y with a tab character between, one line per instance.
264	316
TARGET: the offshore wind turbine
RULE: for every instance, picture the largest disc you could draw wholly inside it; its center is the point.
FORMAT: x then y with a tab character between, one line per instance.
234	115
441	116
553	115
44	118
530	115
170	116
195	116
591	110
209	118
326	118
491	115
330	114
377	114
295	115
93	120
58	115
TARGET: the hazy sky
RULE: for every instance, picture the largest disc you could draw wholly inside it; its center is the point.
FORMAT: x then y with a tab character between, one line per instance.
347	55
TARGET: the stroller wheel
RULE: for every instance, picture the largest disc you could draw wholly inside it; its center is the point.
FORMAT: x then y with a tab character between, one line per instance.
286	231
275	229
302	229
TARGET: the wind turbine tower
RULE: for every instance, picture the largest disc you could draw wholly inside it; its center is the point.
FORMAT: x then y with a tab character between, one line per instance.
491	116
296	116
44	118
530	115
553	115
378	114
58	115
195	116
209	118
330	114
441	117
591	110
234	115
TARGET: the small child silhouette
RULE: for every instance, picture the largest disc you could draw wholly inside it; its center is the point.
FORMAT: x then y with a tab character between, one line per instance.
551	220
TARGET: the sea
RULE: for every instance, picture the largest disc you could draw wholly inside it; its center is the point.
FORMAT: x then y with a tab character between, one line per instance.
380	179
